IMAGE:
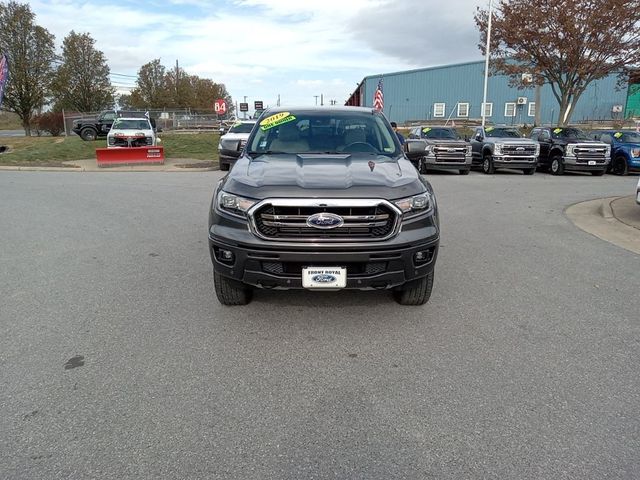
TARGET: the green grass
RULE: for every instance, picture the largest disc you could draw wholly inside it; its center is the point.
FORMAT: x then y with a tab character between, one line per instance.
52	151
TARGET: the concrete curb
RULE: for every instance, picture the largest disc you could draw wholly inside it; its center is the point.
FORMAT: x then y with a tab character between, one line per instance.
597	218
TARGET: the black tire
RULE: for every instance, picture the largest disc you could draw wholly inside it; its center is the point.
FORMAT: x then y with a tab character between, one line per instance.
528	171
416	292
224	167
557	165
619	166
465	171
487	164
88	134
231	292
598	173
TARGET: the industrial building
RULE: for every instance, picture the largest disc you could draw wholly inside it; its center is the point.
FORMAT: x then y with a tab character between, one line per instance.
455	92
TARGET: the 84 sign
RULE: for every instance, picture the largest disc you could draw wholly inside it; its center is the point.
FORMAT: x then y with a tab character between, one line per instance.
220	107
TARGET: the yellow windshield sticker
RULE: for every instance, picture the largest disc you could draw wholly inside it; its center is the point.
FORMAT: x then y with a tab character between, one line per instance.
557	131
275	120
237	124
426	130
617	134
488	129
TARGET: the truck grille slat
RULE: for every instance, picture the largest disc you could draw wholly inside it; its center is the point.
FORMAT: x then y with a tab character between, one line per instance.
370	221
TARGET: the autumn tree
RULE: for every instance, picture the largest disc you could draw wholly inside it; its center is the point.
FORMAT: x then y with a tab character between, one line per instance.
151	87
161	87
31	53
82	81
565	44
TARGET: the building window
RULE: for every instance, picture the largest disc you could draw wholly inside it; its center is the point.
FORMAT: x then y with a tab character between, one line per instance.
488	109
510	109
438	109
532	109
463	109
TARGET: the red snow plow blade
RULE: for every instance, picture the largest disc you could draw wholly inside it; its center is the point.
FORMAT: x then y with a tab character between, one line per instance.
129	156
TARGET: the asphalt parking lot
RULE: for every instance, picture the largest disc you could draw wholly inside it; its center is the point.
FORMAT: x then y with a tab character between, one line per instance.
116	360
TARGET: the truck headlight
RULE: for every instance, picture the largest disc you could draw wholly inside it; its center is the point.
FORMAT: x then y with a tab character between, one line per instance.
635	152
569	151
468	150
497	149
234	204
537	149
416	205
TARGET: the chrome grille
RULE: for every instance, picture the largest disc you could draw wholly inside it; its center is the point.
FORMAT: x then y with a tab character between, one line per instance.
519	150
586	153
450	153
367	220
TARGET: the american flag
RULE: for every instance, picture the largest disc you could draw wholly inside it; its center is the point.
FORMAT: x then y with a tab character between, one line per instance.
4	75
378	97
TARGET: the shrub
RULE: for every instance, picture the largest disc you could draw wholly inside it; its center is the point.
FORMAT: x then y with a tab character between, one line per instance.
50	122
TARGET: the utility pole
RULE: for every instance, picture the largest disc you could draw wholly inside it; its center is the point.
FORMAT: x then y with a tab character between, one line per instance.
487	53
177	75
322	99
538	110
244	114
278	104
316	97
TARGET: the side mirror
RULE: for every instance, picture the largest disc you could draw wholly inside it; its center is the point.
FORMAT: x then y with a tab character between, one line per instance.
478	137
415	149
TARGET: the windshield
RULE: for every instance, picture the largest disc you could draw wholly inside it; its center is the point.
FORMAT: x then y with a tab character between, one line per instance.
327	131
447	133
627	137
242	128
122	124
569	133
501	132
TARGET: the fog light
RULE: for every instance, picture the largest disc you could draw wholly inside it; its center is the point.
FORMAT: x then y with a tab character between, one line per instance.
225	256
422	257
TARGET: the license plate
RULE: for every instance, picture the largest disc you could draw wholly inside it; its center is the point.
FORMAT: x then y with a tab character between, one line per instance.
324	277
592	162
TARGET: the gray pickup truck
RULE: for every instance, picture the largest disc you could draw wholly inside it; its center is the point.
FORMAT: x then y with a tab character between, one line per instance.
503	147
445	149
324	199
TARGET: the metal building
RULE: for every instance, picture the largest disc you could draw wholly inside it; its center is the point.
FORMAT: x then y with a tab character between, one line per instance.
454	92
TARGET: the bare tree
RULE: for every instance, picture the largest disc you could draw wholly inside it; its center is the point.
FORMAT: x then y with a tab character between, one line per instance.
82	81
565	44
31	52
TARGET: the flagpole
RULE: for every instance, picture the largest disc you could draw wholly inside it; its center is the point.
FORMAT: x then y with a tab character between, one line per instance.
487	54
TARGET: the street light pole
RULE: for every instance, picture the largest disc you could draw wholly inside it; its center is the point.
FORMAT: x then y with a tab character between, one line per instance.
486	64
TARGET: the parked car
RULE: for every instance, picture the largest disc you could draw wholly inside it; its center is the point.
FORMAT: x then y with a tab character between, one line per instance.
232	143
625	149
131	132
445	149
324	199
91	128
569	148
503	147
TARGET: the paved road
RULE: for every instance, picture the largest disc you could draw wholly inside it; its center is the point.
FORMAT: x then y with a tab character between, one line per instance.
116	361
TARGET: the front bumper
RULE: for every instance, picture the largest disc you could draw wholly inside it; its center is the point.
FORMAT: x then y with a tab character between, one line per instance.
432	162
572	164
370	265
506	161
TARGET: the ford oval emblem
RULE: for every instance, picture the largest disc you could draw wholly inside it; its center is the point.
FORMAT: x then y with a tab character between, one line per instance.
325	220
324	278
520	149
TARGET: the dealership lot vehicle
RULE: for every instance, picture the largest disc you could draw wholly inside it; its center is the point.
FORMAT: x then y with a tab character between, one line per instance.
503	147
90	128
445	149
232	143
323	199
625	149
570	149
131	132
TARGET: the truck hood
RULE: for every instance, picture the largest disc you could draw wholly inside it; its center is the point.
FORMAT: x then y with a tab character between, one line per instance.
130	133
313	175
235	136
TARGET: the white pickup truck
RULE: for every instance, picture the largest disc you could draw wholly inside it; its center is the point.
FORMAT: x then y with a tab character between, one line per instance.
132	132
